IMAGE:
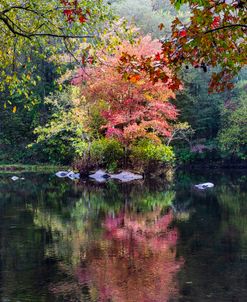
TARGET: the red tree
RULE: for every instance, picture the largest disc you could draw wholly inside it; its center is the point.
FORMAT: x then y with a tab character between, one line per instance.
135	106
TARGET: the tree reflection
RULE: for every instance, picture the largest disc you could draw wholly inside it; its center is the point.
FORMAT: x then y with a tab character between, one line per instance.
132	258
67	242
138	260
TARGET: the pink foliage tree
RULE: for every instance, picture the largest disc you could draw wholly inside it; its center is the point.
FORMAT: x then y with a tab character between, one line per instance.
135	106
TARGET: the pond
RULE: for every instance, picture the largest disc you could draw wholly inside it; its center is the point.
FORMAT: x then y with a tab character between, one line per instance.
143	242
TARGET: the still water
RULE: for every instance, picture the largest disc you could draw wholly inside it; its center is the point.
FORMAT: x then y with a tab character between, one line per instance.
153	242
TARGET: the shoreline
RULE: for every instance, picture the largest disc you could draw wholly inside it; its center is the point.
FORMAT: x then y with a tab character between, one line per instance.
18	168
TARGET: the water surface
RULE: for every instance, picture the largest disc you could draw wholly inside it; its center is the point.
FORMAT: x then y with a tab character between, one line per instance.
152	242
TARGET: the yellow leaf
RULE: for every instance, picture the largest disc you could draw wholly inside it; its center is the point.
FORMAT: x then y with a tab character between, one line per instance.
14	109
5	105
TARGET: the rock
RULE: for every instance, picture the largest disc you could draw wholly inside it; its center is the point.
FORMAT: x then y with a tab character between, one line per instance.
70	174
100	176
62	174
73	175
126	176
204	186
14	178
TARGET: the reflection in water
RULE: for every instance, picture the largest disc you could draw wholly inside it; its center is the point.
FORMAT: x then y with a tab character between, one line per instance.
124	251
62	241
135	262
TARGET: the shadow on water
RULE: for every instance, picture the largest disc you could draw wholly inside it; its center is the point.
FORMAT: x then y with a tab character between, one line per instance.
152	242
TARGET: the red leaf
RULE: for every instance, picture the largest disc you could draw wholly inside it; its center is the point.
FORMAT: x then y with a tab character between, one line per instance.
68	12
183	33
82	19
90	60
216	22
64	2
83	60
157	57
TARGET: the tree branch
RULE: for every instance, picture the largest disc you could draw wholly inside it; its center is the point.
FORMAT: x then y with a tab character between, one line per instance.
30	35
6	22
225	26
59	36
26	8
15	7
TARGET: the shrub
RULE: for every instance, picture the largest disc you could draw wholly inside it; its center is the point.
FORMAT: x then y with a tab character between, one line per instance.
146	152
101	152
57	138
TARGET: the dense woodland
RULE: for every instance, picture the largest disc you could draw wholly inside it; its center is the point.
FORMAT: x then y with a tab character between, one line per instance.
100	83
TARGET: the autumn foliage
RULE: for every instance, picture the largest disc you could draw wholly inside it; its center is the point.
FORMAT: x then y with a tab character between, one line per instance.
135	107
215	36
73	12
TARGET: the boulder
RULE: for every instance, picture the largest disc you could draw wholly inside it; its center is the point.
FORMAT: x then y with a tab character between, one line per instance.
126	176
71	175
100	176
62	174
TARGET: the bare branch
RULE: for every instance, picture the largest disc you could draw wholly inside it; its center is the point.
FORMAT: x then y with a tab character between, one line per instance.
70	52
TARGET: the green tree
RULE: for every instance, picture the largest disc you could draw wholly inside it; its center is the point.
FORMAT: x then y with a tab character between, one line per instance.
33	28
233	134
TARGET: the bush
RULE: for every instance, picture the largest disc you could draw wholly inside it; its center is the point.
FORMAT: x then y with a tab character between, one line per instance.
102	152
57	138
146	155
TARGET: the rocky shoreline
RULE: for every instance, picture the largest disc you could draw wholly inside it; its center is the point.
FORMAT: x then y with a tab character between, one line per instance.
101	176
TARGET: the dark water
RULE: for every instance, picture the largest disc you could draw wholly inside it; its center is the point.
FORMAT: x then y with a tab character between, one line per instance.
63	241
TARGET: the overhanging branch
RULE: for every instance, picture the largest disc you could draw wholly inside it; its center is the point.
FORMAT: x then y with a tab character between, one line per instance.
11	27
224	27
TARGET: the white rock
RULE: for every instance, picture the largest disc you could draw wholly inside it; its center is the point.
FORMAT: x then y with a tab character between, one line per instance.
62	174
126	176
73	175
100	176
14	178
204	186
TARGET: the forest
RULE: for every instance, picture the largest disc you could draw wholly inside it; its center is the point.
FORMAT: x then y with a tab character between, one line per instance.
123	84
